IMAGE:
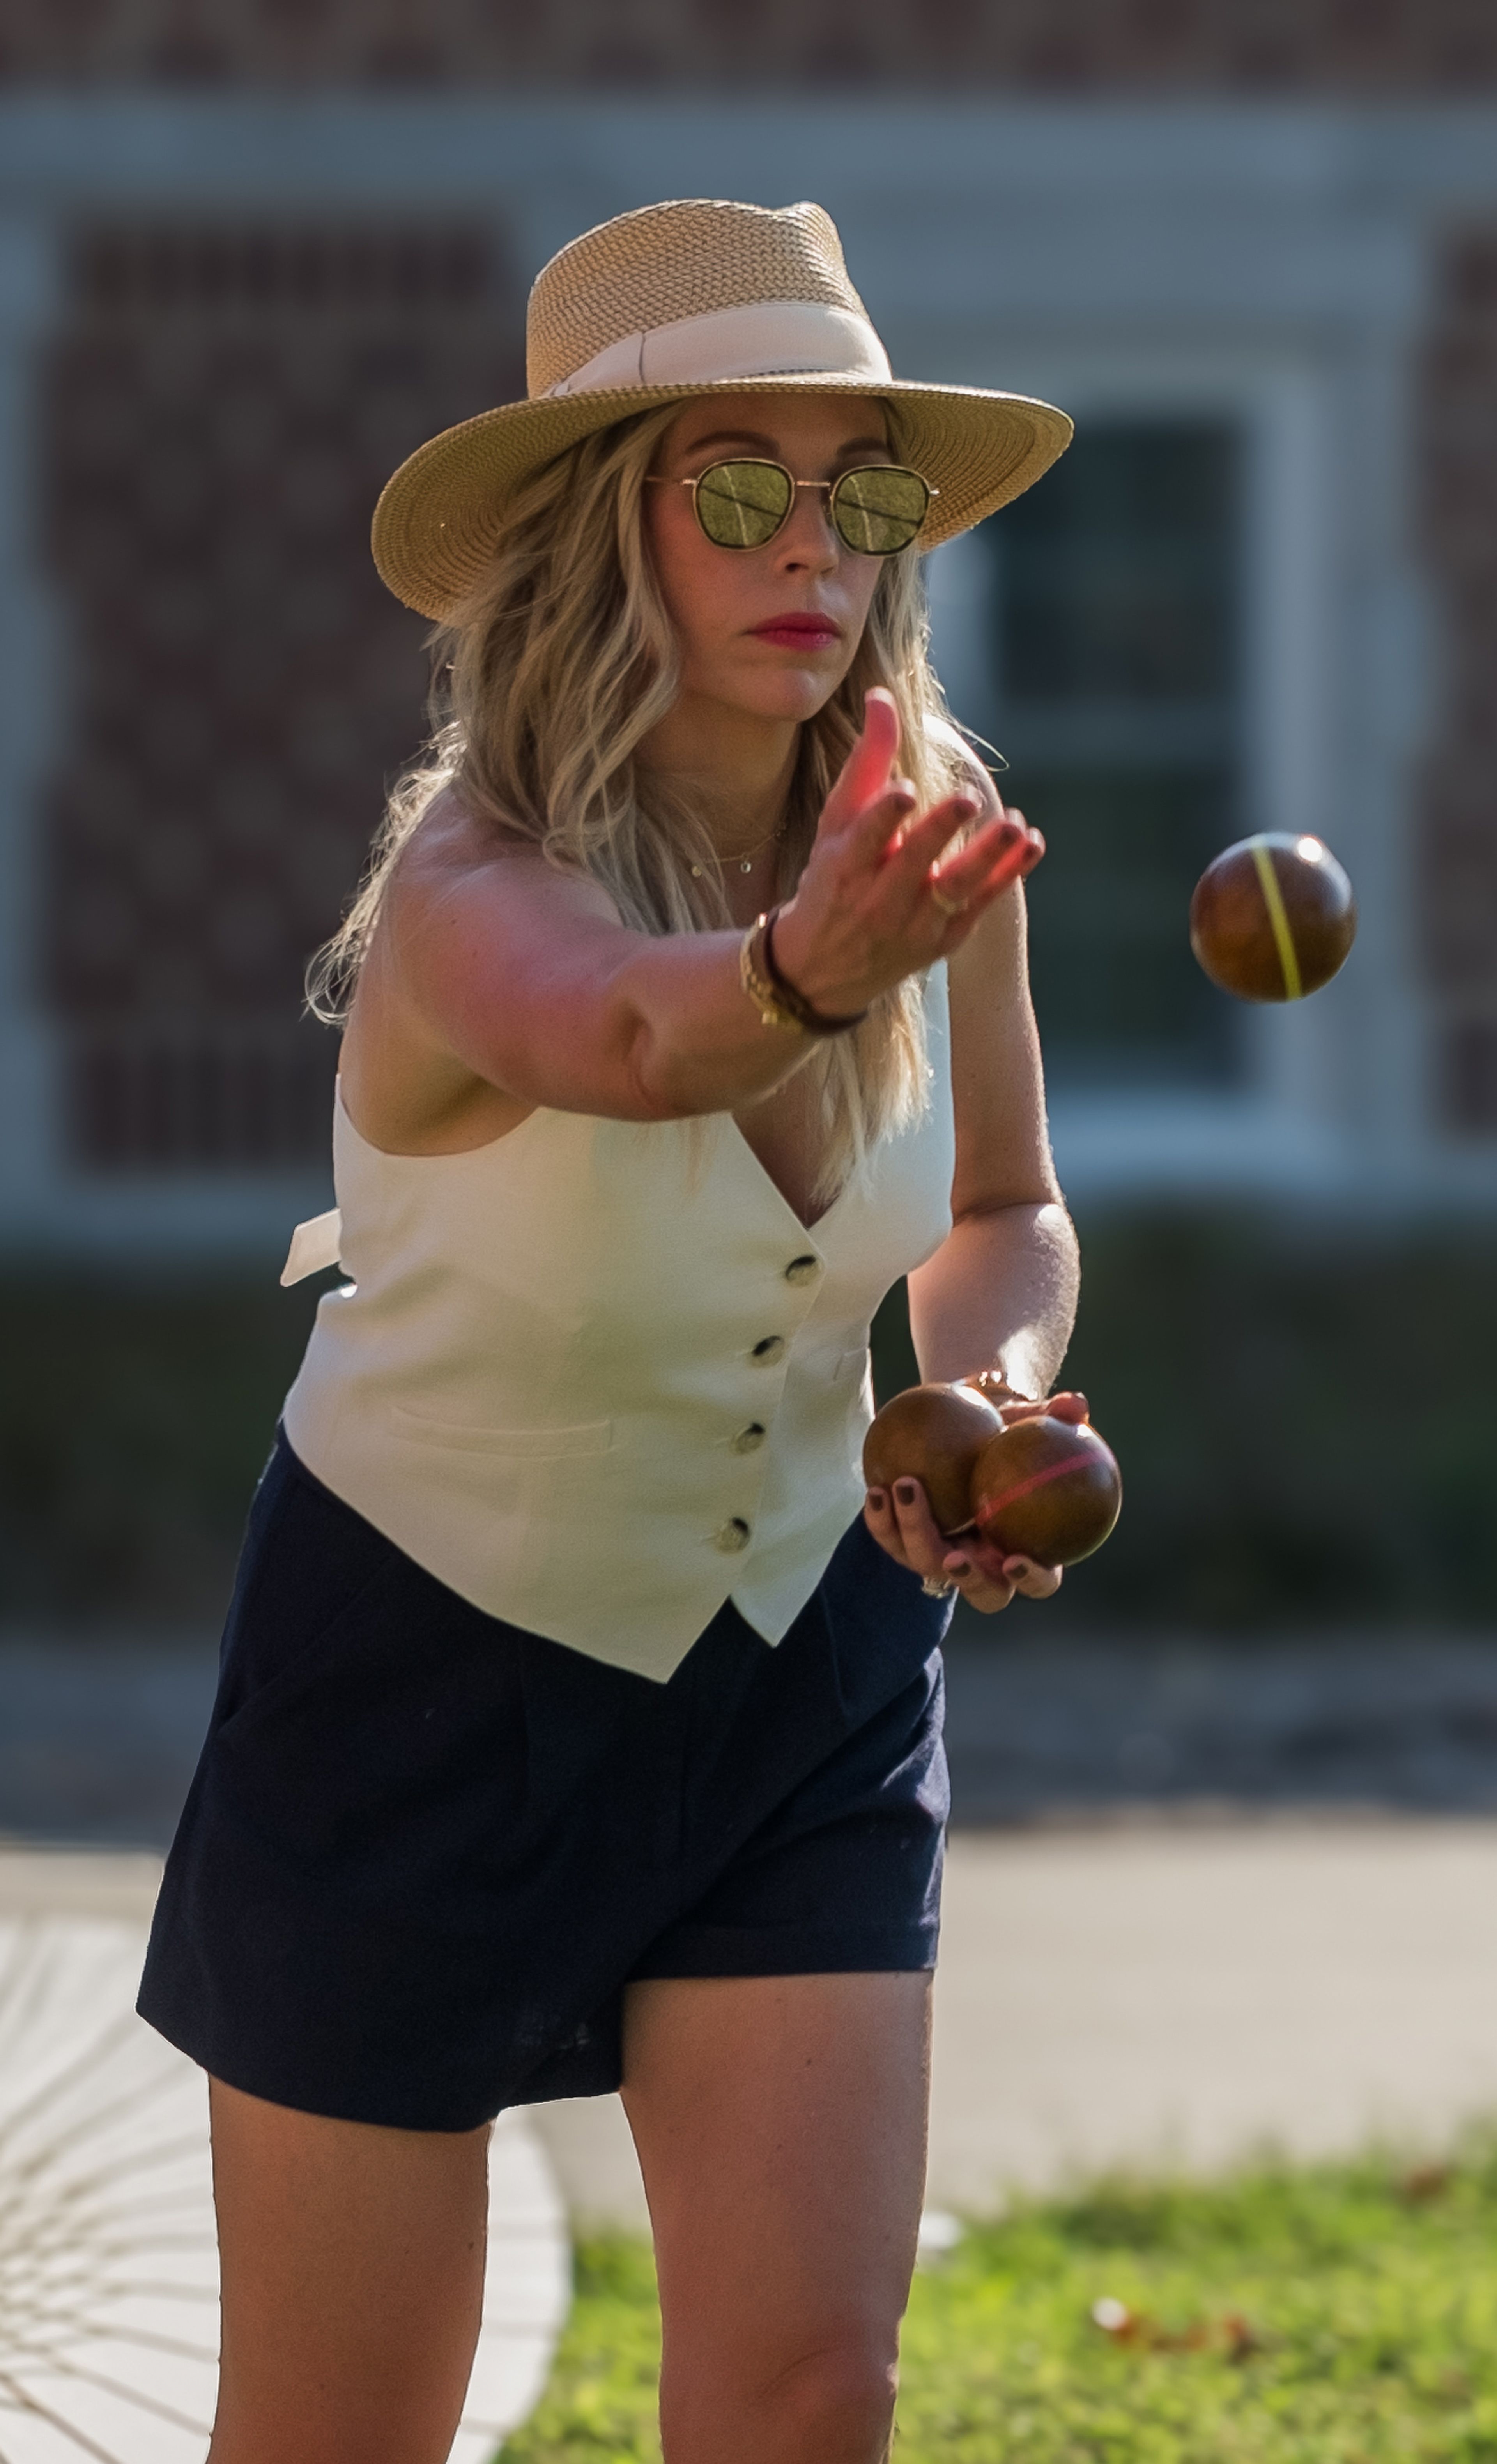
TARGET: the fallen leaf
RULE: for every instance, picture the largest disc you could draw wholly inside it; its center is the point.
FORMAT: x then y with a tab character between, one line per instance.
1230	2335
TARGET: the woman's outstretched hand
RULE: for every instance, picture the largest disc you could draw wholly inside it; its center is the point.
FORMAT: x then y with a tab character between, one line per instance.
901	1522
880	898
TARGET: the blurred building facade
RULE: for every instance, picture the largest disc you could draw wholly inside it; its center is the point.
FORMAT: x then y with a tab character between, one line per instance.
251	255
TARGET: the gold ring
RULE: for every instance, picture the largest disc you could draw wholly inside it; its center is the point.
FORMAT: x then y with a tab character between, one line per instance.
947	905
936	1589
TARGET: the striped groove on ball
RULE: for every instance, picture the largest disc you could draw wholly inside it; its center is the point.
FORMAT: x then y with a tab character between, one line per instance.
1047	1489
1273	918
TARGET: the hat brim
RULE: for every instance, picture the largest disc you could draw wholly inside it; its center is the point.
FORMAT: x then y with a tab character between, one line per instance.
440	518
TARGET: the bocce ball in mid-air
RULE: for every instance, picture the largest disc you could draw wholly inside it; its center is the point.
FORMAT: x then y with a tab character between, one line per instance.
1273	918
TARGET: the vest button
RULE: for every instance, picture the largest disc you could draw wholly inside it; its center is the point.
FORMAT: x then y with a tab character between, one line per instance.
747	1440
803	1270
733	1536
771	1349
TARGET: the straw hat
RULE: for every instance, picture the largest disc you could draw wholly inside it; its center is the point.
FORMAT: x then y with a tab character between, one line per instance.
693	298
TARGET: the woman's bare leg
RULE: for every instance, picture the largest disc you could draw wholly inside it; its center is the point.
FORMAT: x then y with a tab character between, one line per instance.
780	2123
352	2285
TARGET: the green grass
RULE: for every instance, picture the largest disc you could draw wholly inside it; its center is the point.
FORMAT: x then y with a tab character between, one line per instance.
1328	2315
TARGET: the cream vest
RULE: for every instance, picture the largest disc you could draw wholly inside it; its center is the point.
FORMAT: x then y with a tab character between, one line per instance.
597	1378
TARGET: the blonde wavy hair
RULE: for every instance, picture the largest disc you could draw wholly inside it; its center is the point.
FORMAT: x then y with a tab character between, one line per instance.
549	679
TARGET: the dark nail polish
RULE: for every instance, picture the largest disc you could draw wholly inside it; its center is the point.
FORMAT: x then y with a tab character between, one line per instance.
877	1500
904	1490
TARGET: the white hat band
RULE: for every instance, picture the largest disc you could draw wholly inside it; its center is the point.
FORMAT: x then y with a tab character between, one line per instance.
772	338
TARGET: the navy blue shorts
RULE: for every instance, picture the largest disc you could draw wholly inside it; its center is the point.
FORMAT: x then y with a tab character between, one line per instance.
425	1851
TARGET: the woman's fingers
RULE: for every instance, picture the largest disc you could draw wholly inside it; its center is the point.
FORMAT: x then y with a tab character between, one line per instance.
981	1555
1002	839
919	1532
924	1543
883	825
865	774
980	1587
1002	853
902	852
968	1563
923	843
1067	1405
902	1521
878	1514
1035	1582
880	897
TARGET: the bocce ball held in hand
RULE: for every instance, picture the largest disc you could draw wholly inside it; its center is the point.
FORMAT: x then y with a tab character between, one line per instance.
934	1434
1273	918
1047	1490
1042	1488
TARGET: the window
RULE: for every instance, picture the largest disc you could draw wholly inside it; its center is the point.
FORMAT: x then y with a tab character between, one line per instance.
1117	704
222	404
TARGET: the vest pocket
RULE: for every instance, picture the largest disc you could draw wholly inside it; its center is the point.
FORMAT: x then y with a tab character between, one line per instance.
533	1445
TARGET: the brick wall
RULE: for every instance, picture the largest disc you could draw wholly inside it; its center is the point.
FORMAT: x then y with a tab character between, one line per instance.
1388	47
221	407
1459	835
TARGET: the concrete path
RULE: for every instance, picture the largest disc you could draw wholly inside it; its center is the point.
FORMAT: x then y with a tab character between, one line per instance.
108	2264
1136	1997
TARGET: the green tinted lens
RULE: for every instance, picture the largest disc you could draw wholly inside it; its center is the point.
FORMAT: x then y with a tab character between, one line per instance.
879	511
742	504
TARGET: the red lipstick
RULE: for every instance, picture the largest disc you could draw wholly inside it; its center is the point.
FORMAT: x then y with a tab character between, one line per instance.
799	631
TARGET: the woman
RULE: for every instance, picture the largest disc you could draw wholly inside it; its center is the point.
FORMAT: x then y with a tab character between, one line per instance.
576	1728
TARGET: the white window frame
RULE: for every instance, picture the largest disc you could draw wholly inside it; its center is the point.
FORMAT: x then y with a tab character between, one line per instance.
1288	1126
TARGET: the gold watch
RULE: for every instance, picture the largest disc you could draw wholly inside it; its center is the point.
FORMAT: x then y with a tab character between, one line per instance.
775	1000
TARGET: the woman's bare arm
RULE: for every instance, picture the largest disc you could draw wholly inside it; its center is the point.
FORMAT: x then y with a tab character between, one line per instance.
526	978
1000	1292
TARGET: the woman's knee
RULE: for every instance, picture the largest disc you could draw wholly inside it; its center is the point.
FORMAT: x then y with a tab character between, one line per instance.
837	2403
830	2401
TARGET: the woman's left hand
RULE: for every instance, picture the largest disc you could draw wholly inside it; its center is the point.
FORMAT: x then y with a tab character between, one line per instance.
902	1523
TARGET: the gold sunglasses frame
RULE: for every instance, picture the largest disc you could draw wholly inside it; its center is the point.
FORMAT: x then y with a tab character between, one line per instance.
765	462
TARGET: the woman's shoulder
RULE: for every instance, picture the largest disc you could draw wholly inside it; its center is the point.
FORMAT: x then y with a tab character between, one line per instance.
451	840
456	856
962	758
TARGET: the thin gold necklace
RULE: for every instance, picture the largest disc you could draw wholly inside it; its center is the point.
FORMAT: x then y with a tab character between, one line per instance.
744	863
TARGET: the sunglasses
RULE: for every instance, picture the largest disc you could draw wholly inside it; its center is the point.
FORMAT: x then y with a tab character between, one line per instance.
875	511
